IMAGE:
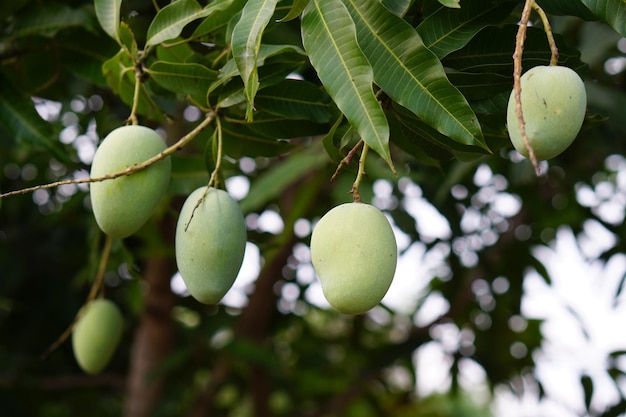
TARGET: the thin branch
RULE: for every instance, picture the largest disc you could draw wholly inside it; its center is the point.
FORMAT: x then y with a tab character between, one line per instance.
130	170
517	74
554	59
347	159
359	175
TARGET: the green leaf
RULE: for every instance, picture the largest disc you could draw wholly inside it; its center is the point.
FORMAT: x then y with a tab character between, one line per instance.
276	127
246	42
480	86
48	19
188	79
410	74
397	7
296	10
329	37
448	30
274	181
217	14
612	12
239	140
171	20
450	3
566	8
20	120
108	14
295	99
85	61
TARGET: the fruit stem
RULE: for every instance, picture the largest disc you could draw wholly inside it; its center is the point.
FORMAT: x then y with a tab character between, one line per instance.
347	159
210	116
356	197
95	288
517	74
132	119
554	59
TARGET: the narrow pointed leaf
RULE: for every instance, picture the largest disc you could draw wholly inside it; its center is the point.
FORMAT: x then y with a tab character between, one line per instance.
295	99
612	12
171	20
108	14
448	30
412	75
189	79
246	42
216	15
450	3
296	10
329	37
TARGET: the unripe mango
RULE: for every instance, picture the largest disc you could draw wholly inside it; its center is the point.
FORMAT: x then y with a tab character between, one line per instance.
354	252
96	335
122	205
211	244
554	102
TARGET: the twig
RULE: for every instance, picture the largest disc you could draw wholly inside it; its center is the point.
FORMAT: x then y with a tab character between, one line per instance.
347	159
517	73
554	58
130	170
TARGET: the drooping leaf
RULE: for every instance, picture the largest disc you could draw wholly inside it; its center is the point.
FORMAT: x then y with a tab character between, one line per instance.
448	30
48	19
410	74
108	14
21	121
612	12
329	36
296	10
295	99
239	140
188	79
246	42
171	20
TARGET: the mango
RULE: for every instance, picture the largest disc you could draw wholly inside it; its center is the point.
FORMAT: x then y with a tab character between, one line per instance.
354	253
210	245
122	205
96	335
554	102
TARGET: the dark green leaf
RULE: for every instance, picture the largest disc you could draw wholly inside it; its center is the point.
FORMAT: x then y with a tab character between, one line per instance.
566	8
188	79
450	3
277	127
410	74
294	99
49	18
217	14
296	10
478	86
329	37
448	30
612	12
239	140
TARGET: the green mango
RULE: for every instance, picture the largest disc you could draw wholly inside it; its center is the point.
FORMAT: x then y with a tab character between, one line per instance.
554	102
96	335
354	253
122	205
210	245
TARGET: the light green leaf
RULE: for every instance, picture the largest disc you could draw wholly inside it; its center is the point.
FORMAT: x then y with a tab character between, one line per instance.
171	20
410	74
329	37
296	10
450	3
448	30
612	12
246	42
189	79
295	99
108	14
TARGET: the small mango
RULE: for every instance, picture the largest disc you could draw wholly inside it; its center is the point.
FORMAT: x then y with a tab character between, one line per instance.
210	243
122	205
354	253
554	102
96	335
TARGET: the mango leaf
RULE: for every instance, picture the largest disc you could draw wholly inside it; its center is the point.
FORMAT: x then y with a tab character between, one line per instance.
448	30
216	16
397	7
277	127
491	50
246	42
567	8
188	79
612	12
450	3
480	86
85	61
329	36
171	20
296	10
239	140
48	19
295	99
108	14
21	121
412	75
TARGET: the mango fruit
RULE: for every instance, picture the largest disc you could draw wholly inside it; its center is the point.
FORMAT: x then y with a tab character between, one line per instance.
96	335
554	102
122	205
354	253
210	243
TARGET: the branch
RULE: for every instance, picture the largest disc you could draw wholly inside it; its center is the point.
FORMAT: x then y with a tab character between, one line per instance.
130	170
